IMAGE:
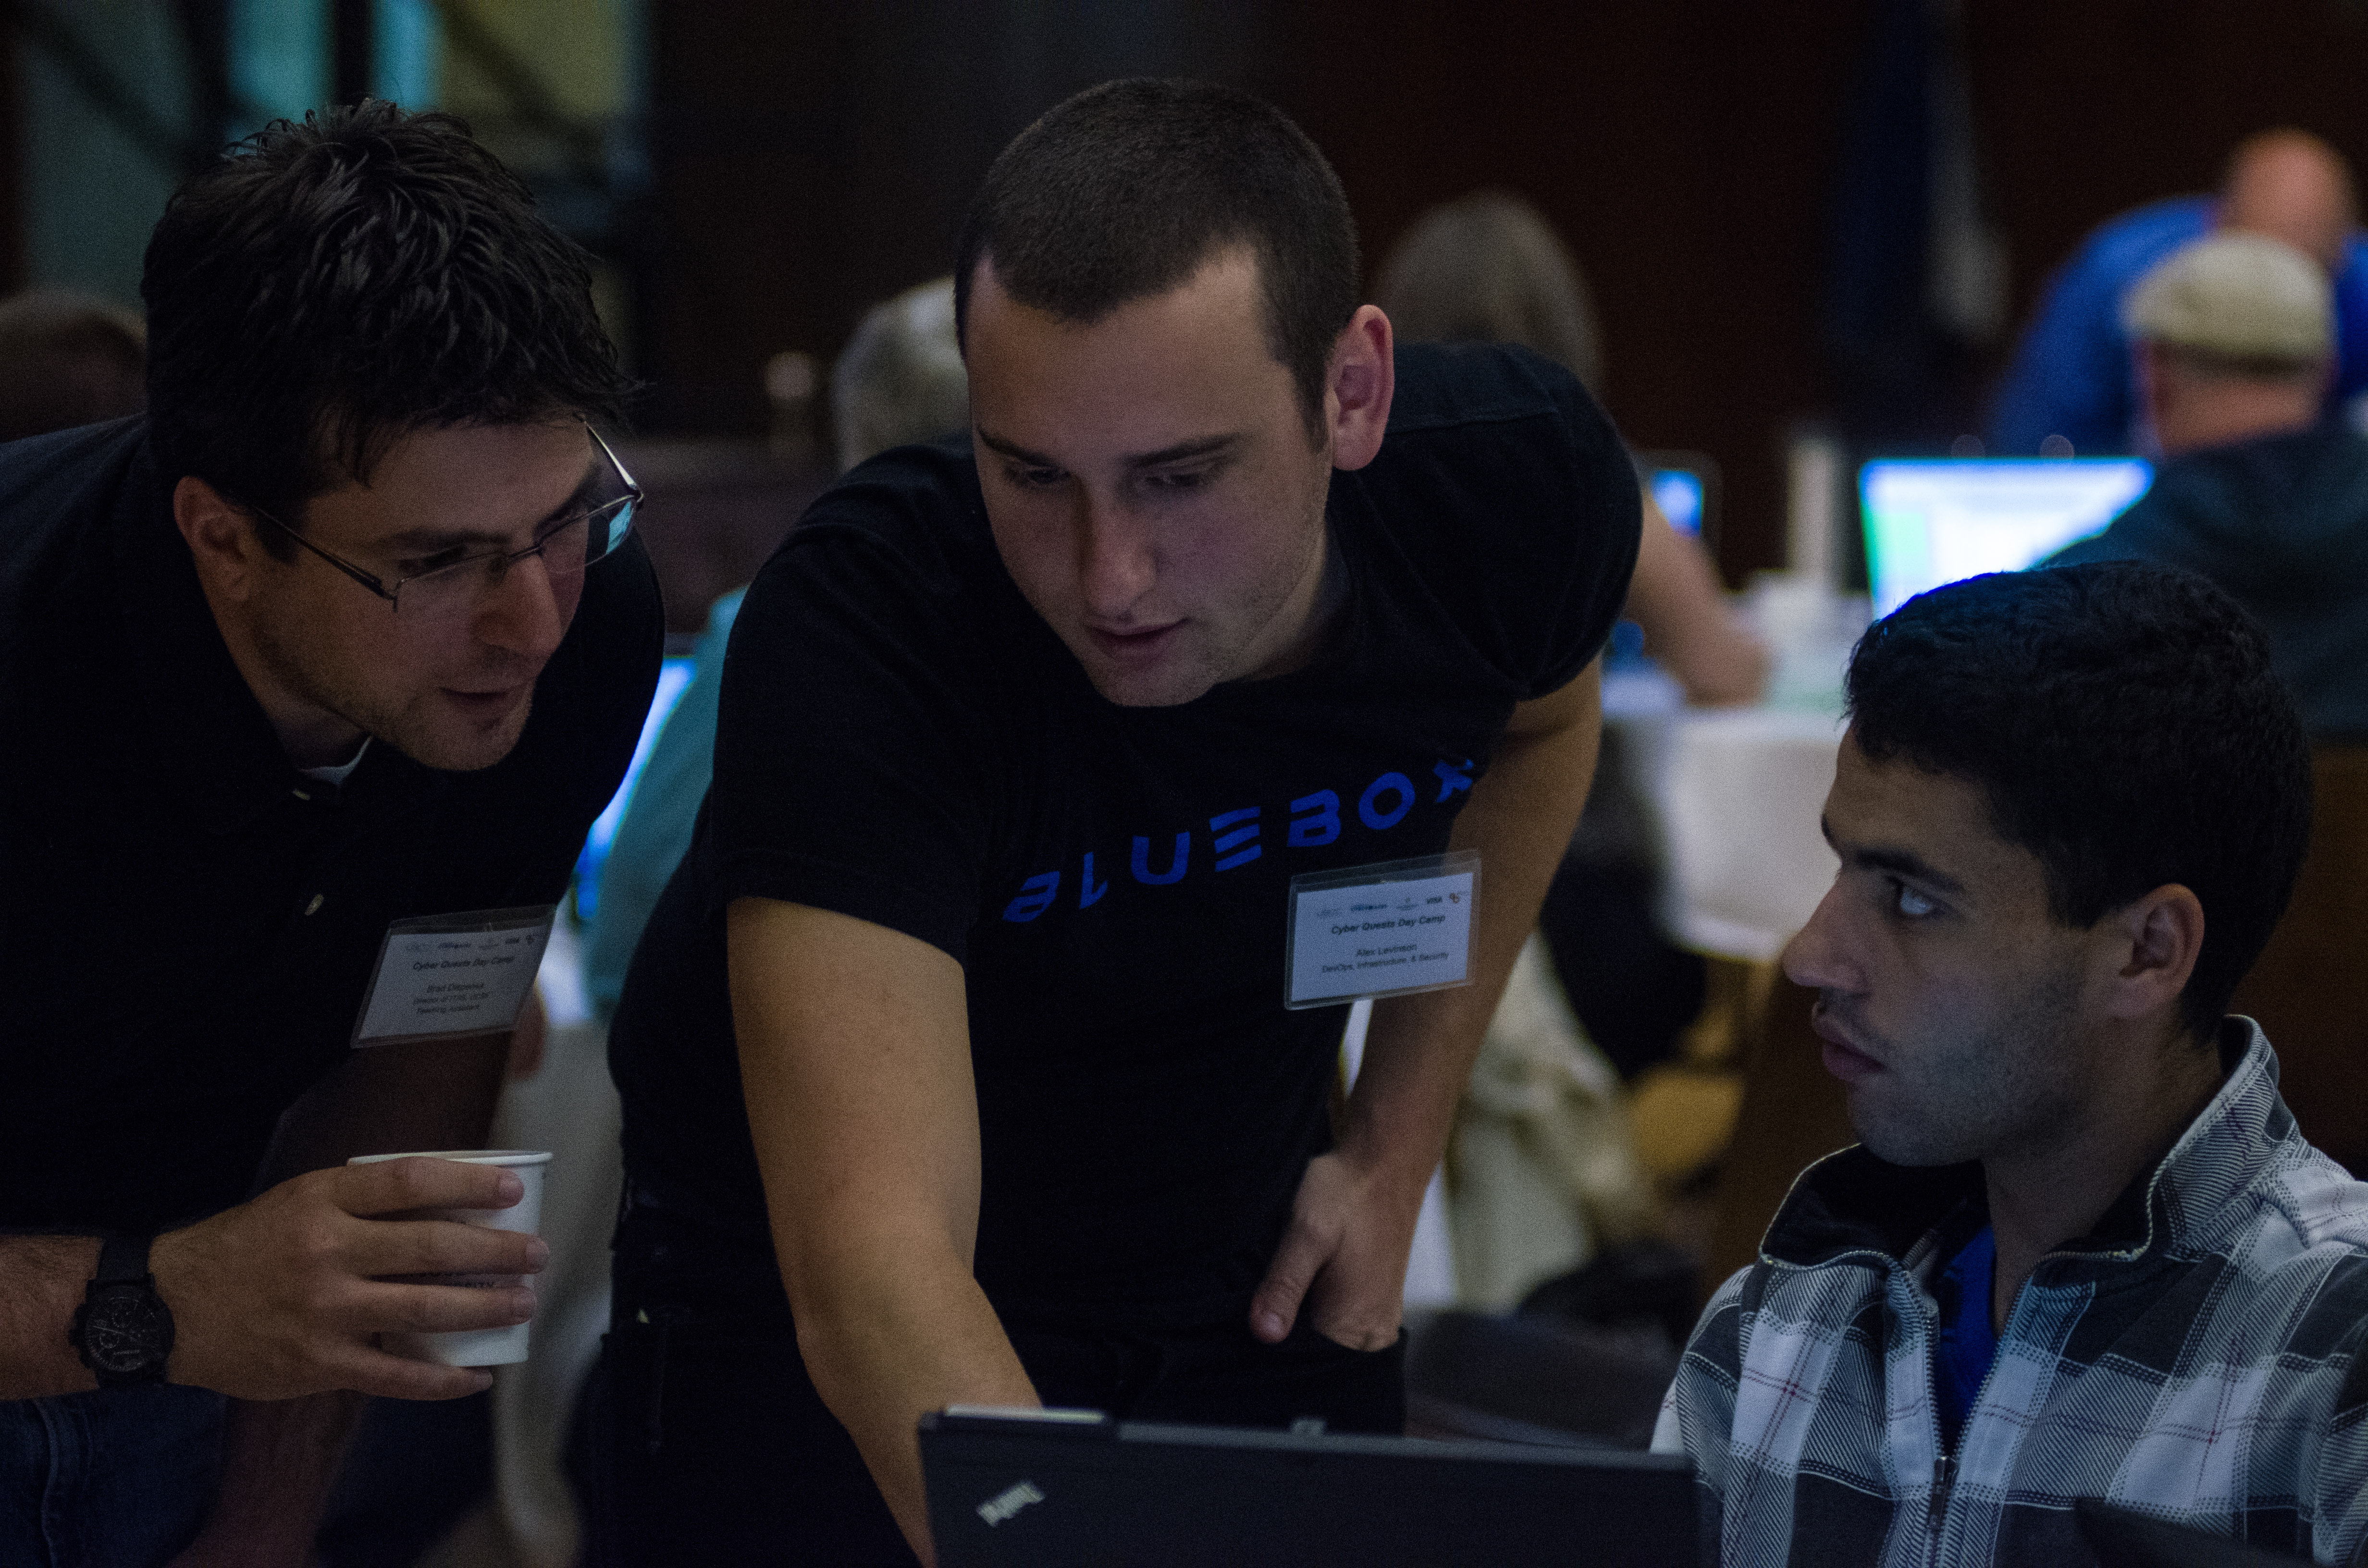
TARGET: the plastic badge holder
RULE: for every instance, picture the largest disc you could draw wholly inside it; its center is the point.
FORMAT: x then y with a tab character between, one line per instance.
1389	929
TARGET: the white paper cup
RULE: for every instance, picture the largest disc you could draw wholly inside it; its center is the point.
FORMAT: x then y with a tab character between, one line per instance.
476	1346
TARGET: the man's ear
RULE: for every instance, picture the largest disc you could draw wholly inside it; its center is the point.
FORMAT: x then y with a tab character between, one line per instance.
2157	939
221	539
1358	390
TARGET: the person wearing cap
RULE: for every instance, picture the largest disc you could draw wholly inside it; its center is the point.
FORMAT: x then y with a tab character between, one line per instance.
2070	385
2234	343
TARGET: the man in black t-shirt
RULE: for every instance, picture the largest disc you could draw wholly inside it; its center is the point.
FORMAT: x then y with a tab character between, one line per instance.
323	665
956	1059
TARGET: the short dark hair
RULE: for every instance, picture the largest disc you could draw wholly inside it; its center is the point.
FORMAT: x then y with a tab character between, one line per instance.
2127	728
329	287
1123	192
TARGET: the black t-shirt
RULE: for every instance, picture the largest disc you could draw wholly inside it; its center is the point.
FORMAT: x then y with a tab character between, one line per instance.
904	740
187	923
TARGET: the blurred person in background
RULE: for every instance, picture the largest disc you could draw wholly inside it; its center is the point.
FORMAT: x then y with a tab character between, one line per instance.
2258	489
68	359
2071	387
900	380
1488	267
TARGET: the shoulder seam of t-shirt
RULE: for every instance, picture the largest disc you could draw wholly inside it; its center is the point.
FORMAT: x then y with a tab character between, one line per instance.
1520	394
743	872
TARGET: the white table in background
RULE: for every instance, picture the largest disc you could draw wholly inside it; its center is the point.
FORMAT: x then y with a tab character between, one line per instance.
1736	794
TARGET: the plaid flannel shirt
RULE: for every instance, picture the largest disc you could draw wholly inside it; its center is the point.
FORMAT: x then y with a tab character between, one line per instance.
2198	1358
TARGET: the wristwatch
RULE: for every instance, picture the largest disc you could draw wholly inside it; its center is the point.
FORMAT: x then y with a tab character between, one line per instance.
124	1330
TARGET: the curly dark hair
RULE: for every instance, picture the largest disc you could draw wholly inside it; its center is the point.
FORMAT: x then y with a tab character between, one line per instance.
330	286
1125	191
2126	727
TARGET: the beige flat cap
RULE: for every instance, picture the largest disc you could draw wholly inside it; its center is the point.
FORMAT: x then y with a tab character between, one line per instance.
2244	296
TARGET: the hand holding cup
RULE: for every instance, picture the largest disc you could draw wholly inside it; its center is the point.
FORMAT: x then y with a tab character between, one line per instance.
496	1347
293	1291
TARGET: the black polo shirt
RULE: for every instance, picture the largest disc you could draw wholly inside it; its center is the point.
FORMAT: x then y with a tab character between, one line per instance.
187	924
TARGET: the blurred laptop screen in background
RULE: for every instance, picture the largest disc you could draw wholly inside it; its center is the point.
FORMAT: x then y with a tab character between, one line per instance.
1935	520
1678	494
1685	486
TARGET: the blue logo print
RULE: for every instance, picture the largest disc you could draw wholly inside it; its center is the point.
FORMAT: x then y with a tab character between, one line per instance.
1314	821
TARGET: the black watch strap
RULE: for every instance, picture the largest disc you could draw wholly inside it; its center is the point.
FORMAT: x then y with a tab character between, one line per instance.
122	1260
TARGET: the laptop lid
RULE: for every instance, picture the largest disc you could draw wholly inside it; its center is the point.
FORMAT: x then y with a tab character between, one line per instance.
1936	521
1074	1487
2123	1537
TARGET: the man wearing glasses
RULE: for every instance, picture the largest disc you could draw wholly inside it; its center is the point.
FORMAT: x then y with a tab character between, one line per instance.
319	669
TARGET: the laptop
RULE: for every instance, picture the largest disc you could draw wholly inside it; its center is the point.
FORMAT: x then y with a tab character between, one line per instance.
1053	1488
2123	1537
1930	521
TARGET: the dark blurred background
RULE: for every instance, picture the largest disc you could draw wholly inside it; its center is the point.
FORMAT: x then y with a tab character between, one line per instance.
1818	213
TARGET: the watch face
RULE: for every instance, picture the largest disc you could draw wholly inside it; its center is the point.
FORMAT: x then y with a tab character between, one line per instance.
126	1331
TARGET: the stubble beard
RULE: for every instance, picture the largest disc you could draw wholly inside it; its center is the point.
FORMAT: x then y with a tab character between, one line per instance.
406	728
1995	1092
1204	662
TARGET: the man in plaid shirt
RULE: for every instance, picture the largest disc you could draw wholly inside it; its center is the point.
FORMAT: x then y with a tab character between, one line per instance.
2083	1252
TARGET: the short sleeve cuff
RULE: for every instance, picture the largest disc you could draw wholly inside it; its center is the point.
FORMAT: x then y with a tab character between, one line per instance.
843	889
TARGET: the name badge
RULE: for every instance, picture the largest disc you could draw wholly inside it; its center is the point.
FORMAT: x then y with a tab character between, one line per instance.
453	974
1380	930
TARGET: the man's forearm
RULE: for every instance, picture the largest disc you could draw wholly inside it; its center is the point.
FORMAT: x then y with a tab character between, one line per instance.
854	1045
436	1096
41	1281
1344	1255
1420	1049
885	1346
278	1460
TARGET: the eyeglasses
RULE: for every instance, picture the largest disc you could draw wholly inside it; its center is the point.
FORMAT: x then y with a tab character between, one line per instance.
453	583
